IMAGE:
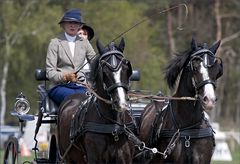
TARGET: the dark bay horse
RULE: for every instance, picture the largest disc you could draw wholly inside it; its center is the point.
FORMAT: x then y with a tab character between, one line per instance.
178	127
91	128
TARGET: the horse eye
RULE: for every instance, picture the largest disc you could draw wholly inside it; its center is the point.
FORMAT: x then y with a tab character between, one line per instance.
124	61
195	64
102	62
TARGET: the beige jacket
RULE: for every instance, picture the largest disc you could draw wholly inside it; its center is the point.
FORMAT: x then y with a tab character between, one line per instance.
59	59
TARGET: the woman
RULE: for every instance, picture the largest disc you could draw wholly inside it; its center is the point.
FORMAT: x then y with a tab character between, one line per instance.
86	32
65	57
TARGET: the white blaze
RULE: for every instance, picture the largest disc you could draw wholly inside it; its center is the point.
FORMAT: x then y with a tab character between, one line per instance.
208	88
120	90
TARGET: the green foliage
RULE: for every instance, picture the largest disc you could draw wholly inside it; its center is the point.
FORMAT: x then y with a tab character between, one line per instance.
29	29
153	81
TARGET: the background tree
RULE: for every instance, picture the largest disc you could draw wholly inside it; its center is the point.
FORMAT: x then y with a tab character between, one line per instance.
26	32
11	34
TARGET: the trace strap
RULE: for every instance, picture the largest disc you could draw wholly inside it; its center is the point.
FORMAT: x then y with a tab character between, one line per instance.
140	144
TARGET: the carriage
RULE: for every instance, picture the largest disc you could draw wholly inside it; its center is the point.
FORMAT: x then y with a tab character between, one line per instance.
107	131
46	115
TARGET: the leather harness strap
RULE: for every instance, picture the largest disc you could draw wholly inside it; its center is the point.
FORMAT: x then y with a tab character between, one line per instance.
192	133
102	128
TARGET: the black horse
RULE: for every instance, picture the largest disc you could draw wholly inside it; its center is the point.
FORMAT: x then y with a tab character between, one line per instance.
91	129
177	126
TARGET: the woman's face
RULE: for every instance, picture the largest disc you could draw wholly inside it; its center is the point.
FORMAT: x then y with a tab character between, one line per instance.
71	28
83	33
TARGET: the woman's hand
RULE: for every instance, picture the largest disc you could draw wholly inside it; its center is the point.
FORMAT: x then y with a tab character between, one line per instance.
70	77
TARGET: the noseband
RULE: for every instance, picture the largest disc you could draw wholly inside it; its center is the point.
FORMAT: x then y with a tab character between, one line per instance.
201	84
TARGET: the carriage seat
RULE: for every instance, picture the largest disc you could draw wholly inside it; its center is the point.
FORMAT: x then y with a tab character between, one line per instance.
40	75
48	104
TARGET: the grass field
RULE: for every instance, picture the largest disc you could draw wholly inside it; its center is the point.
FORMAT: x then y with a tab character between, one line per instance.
30	159
235	157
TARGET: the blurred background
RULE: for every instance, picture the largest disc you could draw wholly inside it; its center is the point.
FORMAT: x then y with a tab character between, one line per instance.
26	27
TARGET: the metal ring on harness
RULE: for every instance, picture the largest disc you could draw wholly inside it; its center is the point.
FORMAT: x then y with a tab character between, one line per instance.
142	146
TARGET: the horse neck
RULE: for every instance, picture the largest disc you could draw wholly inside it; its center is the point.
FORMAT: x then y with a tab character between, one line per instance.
109	115
186	112
105	109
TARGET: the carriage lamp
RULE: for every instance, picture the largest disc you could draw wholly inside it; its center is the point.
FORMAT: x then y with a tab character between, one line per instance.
22	106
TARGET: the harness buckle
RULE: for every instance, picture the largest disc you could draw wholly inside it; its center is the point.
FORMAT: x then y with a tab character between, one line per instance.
115	136
165	156
187	141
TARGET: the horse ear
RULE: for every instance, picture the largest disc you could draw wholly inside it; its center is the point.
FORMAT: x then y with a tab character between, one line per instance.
215	46
121	45
194	44
100	47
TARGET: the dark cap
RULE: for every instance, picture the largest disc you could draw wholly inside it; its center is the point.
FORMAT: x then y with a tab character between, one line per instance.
72	15
89	30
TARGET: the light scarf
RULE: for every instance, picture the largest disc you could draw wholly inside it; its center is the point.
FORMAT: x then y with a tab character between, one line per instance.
71	42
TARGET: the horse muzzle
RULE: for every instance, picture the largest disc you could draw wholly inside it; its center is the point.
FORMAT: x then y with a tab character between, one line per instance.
208	103
122	107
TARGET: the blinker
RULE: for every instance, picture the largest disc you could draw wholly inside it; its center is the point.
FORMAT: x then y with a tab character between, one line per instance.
208	60
206	55
114	63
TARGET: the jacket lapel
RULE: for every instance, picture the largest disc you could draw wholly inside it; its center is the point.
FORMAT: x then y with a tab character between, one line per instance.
78	47
64	43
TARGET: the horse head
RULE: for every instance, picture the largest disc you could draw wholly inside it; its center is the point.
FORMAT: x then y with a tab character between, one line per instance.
170	125
206	68
199	78
112	74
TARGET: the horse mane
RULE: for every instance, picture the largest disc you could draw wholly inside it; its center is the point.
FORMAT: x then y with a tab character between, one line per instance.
175	66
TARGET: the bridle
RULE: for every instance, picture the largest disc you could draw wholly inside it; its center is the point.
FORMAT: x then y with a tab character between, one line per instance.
208	59
114	56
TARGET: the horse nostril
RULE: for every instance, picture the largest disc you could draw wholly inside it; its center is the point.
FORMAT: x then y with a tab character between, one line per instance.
205	98
115	102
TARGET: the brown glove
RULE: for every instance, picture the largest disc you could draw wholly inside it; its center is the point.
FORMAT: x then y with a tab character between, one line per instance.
72	77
